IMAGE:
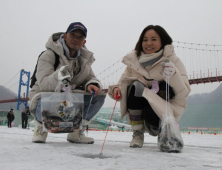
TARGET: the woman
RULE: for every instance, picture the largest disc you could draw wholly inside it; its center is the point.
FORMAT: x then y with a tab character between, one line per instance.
142	85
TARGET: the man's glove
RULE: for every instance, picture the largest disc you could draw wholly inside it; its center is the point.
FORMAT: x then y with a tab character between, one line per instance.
168	68
63	75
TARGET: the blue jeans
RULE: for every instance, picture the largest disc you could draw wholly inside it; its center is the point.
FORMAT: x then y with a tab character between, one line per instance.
96	104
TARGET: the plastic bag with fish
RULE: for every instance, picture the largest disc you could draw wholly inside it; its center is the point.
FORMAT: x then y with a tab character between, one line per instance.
61	112
169	139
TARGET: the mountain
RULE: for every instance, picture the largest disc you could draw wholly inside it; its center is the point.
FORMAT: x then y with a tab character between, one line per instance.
206	98
6	94
203	110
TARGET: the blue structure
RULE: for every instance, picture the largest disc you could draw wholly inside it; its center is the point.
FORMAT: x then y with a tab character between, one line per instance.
22	83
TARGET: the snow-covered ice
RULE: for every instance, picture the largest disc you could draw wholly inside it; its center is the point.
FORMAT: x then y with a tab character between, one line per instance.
201	152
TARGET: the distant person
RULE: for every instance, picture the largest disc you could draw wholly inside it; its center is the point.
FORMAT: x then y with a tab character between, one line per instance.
10	117
25	115
142	86
74	68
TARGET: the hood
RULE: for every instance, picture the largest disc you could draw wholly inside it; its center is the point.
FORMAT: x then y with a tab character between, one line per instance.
168	50
54	44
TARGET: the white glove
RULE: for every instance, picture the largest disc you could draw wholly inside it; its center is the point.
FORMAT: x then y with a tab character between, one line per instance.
168	68
63	75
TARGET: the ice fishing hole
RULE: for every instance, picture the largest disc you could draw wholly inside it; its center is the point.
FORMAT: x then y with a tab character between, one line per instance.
93	156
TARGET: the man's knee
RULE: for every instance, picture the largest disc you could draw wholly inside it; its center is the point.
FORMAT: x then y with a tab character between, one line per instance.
100	99
95	106
96	101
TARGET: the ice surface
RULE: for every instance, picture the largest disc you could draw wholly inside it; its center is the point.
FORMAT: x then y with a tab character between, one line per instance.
200	152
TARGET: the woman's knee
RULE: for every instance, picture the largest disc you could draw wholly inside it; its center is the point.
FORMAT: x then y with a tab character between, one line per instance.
134	102
150	116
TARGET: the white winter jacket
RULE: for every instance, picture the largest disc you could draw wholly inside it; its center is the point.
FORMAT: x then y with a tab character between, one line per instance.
47	77
134	71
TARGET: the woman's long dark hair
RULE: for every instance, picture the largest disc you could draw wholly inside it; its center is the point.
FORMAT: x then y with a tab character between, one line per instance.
164	36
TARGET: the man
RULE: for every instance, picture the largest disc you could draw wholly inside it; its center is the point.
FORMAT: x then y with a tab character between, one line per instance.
10	117
25	117
75	69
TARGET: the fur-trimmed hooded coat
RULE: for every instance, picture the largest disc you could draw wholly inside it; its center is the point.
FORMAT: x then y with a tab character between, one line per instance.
134	71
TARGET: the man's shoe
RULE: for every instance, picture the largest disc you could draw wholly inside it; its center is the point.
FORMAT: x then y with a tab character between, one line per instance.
138	138
76	138
39	135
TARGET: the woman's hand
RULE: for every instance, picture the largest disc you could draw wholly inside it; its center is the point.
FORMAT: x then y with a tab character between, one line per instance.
116	92
168	68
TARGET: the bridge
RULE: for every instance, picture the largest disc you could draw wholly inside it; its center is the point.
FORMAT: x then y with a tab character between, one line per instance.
202	62
14	100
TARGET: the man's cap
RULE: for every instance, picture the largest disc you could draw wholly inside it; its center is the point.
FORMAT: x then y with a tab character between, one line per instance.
11	109
27	107
77	25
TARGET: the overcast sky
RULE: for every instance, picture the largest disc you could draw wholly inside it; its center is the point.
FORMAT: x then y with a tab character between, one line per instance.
113	28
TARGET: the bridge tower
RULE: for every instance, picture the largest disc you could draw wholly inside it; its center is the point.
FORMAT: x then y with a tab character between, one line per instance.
22	83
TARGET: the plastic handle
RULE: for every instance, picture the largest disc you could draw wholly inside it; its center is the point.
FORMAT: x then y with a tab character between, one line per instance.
117	97
93	93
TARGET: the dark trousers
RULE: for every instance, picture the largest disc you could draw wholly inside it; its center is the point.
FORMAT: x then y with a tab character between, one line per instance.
9	123
140	103
24	122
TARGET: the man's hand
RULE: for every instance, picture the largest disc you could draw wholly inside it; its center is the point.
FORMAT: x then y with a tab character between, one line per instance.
63	74
92	88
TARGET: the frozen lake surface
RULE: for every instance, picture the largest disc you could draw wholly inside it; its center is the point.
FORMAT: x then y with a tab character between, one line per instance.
201	152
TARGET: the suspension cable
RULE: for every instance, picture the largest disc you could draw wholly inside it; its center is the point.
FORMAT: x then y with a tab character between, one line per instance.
109	67
12	78
197	49
195	43
13	85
